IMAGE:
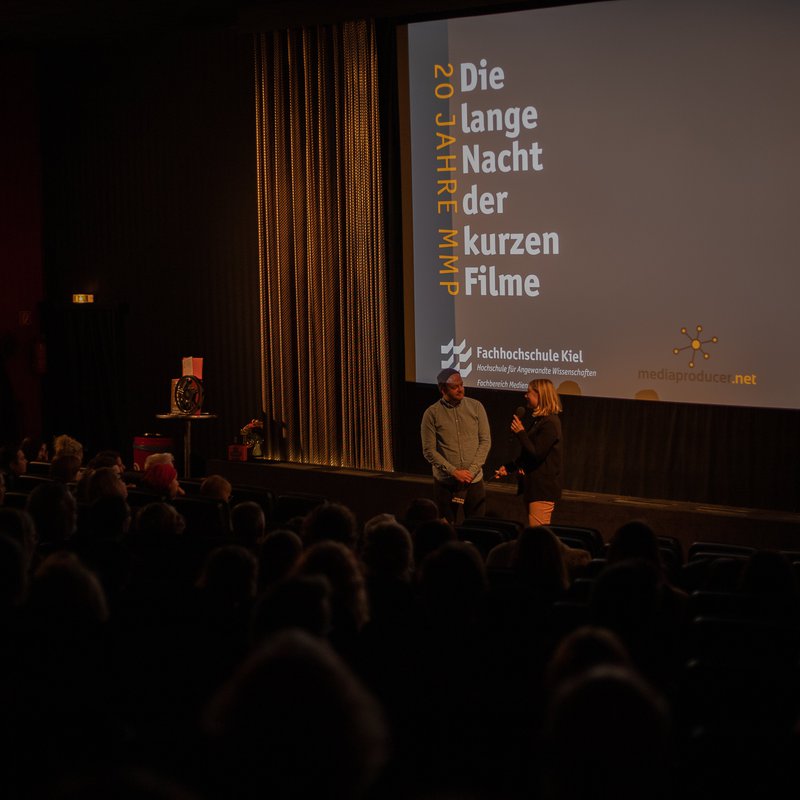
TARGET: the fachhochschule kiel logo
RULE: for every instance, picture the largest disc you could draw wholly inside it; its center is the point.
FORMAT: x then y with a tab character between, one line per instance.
457	356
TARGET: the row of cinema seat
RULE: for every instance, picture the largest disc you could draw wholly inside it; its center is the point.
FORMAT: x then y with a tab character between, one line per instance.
38	469
731	668
27	483
484	532
203	515
206	514
726	623
487	532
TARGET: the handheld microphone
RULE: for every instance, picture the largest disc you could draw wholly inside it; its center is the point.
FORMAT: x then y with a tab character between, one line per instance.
519	413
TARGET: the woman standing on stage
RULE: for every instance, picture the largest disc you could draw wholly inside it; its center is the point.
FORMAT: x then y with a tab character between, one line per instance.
539	462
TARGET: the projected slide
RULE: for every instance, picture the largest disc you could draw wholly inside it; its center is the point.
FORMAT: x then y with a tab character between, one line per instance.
608	195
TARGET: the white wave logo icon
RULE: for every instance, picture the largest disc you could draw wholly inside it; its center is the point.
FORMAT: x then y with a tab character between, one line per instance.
458	358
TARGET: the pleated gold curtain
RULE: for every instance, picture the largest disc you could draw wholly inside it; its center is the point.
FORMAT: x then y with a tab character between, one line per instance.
324	326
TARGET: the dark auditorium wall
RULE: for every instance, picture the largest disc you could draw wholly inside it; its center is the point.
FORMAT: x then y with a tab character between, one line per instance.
21	249
149	203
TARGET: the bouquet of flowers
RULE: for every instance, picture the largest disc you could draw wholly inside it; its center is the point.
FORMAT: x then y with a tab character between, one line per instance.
253	436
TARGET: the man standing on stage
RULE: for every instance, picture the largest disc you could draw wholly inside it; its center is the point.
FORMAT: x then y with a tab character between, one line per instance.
456	441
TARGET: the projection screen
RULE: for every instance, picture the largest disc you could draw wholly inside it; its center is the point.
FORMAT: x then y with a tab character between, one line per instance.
606	195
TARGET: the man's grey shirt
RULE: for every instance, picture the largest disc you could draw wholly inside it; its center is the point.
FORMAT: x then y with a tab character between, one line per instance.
456	437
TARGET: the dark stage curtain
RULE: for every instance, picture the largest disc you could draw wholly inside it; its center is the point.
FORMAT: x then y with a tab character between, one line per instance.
745	457
324	331
85	386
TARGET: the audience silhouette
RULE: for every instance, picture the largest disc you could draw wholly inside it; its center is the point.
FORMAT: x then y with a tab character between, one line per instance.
142	656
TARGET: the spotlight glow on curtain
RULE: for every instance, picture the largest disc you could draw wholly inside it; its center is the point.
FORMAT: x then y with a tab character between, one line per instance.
324	324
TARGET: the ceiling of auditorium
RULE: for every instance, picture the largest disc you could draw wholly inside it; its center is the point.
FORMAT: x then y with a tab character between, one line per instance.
40	22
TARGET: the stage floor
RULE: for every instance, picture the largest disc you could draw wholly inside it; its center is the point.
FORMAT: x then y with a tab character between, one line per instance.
370	493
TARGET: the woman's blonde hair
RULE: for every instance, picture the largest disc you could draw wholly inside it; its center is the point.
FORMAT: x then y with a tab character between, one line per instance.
549	401
65	445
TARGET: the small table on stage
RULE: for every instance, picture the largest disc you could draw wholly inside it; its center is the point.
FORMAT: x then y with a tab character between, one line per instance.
187	435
